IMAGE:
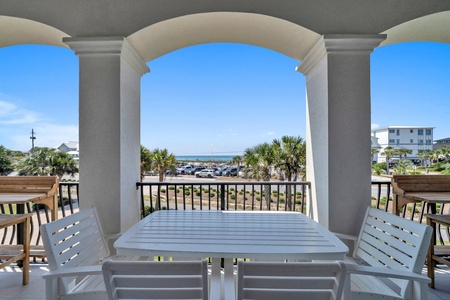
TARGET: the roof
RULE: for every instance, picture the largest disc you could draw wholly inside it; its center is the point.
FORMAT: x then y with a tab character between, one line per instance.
403	127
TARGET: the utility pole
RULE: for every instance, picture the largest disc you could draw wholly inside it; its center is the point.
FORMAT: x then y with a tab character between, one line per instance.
32	137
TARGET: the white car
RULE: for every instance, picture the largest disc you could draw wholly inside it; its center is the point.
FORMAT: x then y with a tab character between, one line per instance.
205	173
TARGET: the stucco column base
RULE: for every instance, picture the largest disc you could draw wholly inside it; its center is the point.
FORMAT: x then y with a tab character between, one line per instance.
109	130
337	71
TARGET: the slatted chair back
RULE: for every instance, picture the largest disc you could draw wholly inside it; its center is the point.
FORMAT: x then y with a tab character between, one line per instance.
156	279
74	241
296	280
389	241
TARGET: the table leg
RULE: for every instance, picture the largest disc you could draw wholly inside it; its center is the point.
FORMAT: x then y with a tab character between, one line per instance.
26	251
430	261
228	286
215	289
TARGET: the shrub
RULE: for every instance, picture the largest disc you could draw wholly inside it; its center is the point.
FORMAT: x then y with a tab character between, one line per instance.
233	197
163	190
171	188
258	198
198	193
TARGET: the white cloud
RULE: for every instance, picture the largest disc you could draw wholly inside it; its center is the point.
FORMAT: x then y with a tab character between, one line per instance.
374	126
16	125
10	114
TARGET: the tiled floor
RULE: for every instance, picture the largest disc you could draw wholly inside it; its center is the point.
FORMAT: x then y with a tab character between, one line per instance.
11	284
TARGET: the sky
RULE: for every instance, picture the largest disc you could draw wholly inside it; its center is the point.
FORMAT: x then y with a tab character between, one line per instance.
216	98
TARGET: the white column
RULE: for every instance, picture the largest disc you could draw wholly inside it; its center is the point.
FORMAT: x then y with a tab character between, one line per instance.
337	71
109	129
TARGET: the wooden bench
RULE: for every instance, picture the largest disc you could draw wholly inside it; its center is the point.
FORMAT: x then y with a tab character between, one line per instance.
22	190
15	254
391	248
426	189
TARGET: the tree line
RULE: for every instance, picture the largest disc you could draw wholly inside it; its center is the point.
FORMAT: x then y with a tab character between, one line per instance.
42	161
437	160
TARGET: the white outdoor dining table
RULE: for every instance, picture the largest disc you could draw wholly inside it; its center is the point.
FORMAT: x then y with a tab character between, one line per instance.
230	234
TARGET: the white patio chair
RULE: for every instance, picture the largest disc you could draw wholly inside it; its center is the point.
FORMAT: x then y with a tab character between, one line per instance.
75	248
388	258
291	280
156	279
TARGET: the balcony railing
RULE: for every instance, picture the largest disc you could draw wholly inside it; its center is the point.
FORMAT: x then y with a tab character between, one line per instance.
233	195
217	195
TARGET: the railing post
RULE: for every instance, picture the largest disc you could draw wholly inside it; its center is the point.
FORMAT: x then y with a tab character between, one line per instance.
222	197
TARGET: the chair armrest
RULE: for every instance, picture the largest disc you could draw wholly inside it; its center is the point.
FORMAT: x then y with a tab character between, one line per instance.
397	190
76	271
344	236
347	237
385	272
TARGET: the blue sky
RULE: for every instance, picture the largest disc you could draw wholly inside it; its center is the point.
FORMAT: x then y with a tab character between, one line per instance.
219	98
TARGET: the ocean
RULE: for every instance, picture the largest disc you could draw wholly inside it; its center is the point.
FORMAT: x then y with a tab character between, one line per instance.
221	158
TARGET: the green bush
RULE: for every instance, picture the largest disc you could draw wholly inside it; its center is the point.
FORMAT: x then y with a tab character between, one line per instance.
378	168
163	190
233	197
171	188
258	198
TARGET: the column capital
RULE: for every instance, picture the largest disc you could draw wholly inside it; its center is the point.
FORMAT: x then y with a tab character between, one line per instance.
340	43
100	46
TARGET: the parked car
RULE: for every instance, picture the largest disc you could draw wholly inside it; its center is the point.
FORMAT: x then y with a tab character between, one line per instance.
194	170
184	170
219	172
233	172
226	172
205	173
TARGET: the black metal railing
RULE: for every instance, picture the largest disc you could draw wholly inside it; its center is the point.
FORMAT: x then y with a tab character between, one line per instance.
67	204
232	195
217	195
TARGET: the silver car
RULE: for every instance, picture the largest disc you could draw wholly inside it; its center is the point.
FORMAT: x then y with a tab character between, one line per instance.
205	173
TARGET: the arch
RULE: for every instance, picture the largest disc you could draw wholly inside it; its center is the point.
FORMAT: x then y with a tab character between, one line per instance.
255	29
432	28
17	31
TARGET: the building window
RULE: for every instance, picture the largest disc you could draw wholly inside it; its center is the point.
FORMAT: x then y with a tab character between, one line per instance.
411	131
391	130
398	141
428	142
398	131
420	131
411	141
420	142
391	141
428	132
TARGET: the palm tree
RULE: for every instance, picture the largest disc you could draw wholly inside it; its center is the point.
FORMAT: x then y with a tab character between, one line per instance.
402	166
47	162
237	160
424	155
6	164
388	152
161	161
146	161
373	151
262	158
63	163
402	152
290	152
445	153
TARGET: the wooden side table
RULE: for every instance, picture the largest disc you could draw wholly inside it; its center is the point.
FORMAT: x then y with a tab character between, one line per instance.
10	253
437	253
